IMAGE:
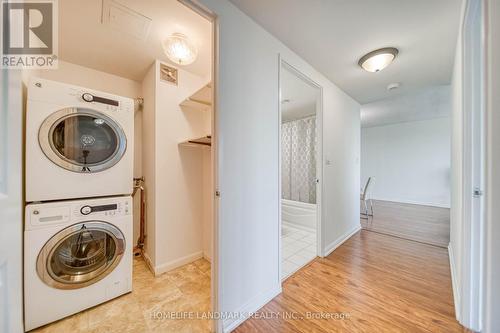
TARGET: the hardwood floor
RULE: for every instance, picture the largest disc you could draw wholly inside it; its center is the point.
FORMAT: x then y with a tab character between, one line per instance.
381	284
424	224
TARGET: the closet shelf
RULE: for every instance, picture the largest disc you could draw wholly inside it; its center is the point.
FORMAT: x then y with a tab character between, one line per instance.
201	99
205	141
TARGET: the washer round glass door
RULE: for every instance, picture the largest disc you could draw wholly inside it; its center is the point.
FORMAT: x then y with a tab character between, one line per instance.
80	255
82	140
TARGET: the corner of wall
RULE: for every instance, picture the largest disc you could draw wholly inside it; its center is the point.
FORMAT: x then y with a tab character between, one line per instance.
250	307
454	282
328	249
148	161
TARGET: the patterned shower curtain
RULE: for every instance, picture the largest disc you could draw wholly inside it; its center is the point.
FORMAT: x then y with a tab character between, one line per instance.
298	151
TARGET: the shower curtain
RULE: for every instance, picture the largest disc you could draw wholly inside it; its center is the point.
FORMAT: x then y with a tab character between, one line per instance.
298	151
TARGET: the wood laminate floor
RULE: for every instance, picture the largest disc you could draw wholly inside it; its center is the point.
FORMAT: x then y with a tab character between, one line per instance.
426	224
371	283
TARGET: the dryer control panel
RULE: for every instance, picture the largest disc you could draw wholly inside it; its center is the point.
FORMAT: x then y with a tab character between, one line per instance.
66	95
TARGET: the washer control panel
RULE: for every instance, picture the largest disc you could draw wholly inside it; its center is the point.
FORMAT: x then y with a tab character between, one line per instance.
63	212
86	210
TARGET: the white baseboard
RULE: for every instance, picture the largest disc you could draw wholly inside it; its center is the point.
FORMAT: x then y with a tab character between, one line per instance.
335	244
250	307
297	226
454	283
419	203
163	268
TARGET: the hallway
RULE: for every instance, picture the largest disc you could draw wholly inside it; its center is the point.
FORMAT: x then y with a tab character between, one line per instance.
371	283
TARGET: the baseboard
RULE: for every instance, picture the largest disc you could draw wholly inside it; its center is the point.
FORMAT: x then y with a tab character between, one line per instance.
454	284
207	257
252	306
418	203
148	261
330	248
297	226
163	268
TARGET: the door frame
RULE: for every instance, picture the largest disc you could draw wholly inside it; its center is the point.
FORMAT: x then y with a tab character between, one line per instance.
282	62
473	186
215	274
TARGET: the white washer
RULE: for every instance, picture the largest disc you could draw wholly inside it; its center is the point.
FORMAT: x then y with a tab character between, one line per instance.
79	142
77	254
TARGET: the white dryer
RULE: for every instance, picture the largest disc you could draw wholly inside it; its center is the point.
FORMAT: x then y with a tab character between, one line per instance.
79	142
77	254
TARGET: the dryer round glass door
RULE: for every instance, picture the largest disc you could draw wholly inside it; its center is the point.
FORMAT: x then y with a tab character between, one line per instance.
82	140
80	255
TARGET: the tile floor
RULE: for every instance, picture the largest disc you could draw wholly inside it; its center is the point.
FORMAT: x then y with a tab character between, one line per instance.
298	248
186	288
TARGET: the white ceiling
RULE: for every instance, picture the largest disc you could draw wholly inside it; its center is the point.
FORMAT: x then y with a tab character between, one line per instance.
332	35
301	97
427	103
83	40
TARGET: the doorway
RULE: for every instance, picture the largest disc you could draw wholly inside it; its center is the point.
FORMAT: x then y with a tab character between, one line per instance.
173	152
300	169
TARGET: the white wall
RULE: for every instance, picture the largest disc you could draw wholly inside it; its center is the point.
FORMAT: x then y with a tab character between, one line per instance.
491	320
11	203
248	160
410	161
455	248
174	174
91	78
491	277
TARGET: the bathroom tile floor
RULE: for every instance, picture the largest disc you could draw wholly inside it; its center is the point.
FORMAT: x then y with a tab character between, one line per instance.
183	290
298	248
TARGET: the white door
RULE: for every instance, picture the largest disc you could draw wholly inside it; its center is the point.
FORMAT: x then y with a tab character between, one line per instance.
11	202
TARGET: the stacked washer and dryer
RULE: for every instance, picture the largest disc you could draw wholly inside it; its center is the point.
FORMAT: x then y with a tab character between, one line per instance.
78	218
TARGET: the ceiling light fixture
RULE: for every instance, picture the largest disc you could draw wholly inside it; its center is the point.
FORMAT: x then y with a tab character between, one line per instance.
179	49
377	60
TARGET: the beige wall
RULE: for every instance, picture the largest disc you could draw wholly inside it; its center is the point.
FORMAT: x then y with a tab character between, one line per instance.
208	193
148	159
174	174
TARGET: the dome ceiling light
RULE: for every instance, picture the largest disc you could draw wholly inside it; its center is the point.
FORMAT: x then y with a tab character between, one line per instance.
180	49
377	60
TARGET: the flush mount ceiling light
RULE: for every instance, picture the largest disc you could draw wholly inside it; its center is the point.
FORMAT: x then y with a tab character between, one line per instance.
377	60
179	49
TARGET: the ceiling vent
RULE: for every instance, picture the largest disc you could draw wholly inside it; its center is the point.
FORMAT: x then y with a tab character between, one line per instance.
125	19
168	74
393	86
